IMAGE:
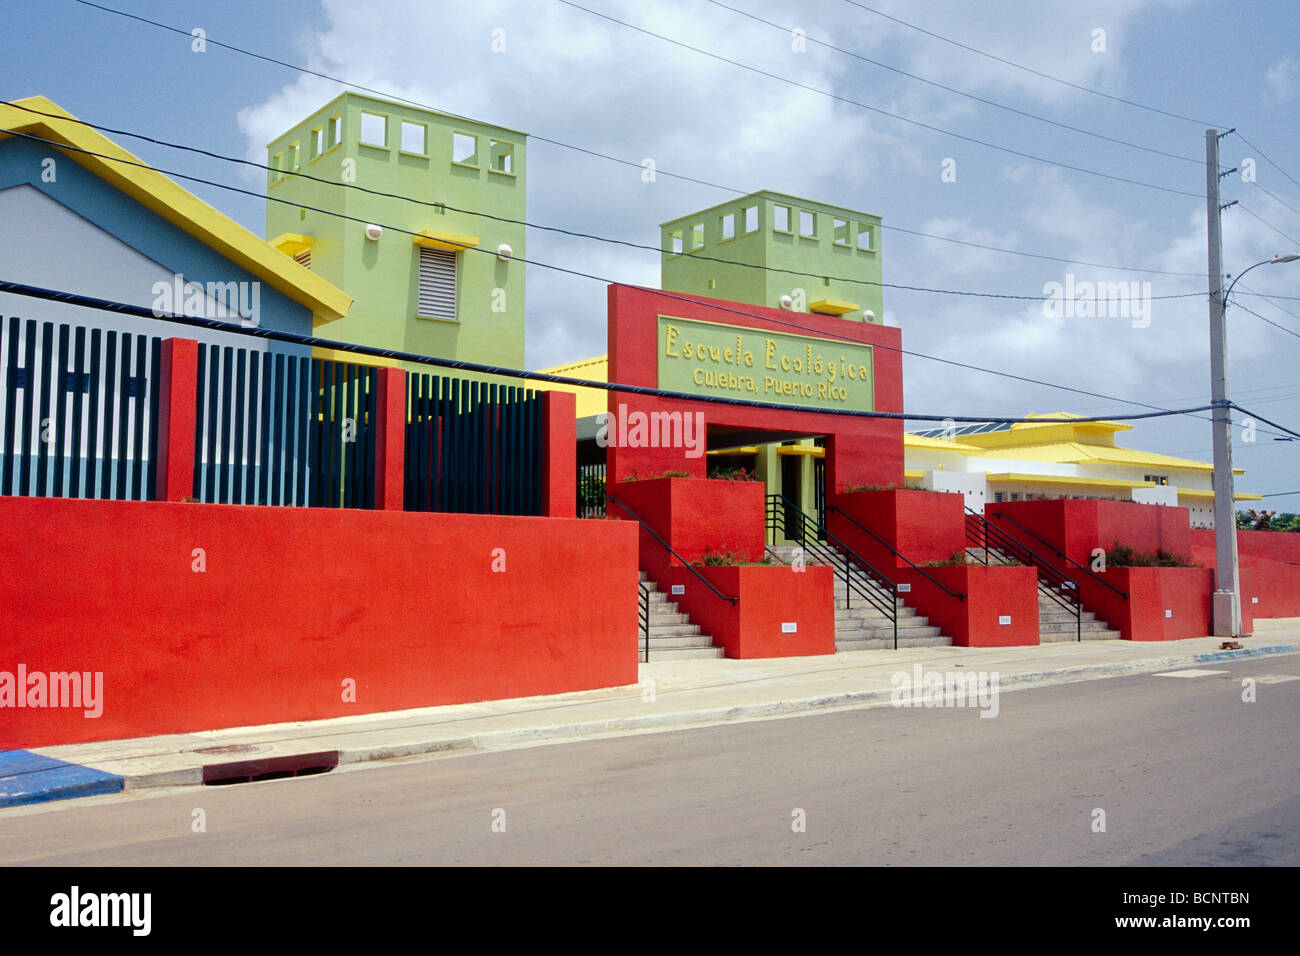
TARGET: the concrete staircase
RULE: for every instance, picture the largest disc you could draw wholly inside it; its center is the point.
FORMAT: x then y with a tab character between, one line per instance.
672	635
861	626
1055	623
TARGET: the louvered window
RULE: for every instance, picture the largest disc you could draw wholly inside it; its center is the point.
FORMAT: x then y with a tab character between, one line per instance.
303	258
437	283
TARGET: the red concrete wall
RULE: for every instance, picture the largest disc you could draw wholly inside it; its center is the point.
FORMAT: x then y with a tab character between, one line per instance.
291	602
921	525
989	593
560	454
859	450
1077	526
1151	591
769	596
1269	545
1270	589
694	515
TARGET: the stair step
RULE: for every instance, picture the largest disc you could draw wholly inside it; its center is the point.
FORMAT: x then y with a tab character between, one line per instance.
686	653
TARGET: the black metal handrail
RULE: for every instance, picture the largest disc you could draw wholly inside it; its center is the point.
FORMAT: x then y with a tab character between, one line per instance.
645	616
1051	580
894	551
1061	554
837	552
667	547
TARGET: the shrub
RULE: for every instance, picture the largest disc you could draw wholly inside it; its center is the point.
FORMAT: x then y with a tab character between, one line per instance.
663	474
1123	556
738	473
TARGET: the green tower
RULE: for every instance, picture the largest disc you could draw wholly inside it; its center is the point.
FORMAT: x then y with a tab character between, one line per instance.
451	290
837	250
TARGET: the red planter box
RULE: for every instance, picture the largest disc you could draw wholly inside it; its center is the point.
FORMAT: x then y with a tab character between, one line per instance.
921	525
991	593
694	515
770	596
1184	592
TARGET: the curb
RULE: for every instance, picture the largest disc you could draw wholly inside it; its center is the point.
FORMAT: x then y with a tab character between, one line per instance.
579	730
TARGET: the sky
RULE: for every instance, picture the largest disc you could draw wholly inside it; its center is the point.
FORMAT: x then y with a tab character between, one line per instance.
985	161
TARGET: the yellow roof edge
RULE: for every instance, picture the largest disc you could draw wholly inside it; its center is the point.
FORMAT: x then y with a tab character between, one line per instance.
292	243
172	202
1071	480
913	473
810	450
440	239
742	450
834	307
1207	493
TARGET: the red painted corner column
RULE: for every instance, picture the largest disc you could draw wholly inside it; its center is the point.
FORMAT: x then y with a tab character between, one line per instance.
178	395
560	454
390	440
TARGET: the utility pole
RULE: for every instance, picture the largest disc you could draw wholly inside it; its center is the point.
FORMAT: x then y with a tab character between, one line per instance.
1227	593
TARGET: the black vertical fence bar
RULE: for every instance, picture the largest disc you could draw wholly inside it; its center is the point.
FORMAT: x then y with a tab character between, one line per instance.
200	422
441	437
337	378
251	457
223	430
93	438
372	434
280	398
307	388
30	406
353	493
78	400
237	456
261	489
11	399
535	455
296	466
43	444
214	424
110	420
155	367
411	463
122	425
140	384
59	414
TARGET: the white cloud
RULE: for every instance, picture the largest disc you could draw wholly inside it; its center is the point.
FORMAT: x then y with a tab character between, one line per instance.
1283	79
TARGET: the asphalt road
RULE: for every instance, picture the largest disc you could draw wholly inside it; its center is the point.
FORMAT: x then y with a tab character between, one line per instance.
1184	770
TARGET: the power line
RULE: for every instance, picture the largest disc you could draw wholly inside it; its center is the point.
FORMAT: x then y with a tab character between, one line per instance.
606	280
301	205
875	109
1268	320
555	229
294	338
1276	199
954	90
1039	73
1247	411
1256	149
659	171
1291	239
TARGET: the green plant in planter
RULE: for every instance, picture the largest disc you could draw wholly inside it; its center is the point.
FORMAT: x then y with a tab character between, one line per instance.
866	486
663	474
955	560
738	473
1123	556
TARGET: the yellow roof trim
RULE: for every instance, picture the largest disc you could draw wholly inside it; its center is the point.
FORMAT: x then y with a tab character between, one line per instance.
810	450
743	450
178	206
292	243
1071	480
834	307
438	239
913	473
1206	493
353	358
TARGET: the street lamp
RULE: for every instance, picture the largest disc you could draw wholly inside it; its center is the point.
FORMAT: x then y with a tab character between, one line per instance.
1227	596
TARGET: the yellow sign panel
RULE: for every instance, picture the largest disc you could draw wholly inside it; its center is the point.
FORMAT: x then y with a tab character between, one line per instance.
708	358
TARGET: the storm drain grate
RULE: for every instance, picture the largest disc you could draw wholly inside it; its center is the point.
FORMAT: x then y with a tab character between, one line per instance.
270	768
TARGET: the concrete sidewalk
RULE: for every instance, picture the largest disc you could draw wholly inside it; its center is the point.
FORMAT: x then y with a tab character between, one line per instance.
672	694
